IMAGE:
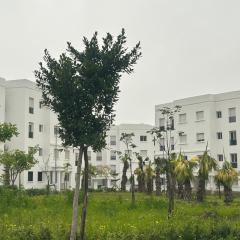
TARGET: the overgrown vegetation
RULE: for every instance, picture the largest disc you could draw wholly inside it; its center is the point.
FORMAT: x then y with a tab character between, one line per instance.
111	216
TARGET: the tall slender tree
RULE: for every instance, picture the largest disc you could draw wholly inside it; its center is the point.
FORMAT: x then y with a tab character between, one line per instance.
125	160
82	87
164	134
126	138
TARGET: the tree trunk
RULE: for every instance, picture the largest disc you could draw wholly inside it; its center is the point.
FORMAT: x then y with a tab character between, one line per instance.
188	190
124	176
170	191
149	186
201	189
85	197
76	196
227	194
141	182
158	183
180	191
6	178
132	184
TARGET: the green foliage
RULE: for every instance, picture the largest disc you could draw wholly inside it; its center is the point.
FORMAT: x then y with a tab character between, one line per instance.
15	162
112	217
226	175
7	131
82	87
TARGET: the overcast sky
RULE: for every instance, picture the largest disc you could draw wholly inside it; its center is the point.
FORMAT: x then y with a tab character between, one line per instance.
189	47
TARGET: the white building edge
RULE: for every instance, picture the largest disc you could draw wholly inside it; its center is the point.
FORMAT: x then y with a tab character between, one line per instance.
20	104
211	119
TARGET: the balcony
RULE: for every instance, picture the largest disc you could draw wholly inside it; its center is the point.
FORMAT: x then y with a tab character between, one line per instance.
30	134
233	142
234	164
232	119
113	143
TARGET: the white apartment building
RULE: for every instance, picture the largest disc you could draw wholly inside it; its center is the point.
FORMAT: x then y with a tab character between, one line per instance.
38	126
212	119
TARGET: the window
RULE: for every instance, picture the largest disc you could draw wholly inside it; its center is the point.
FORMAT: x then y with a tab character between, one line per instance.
30	129
200	137
56	130
113	169
76	158
182	118
31	105
113	155
172	143
232	114
232	138
99	156
40	176
162	144
162	123
234	160
219	135
220	157
143	153
40	104
183	139
40	128
185	157
67	154
143	138
66	177
219	114
40	151
30	176
89	155
112	140
200	115
56	154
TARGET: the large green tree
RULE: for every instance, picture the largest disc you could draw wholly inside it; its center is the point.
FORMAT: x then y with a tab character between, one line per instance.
16	162
82	87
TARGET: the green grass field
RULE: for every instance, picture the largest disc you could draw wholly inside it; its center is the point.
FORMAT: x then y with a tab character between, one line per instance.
111	216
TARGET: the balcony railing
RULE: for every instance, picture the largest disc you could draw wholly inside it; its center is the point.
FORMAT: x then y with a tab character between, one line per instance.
113	143
234	164
232	119
233	142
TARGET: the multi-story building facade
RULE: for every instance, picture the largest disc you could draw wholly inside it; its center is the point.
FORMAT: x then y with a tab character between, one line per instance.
211	120
38	126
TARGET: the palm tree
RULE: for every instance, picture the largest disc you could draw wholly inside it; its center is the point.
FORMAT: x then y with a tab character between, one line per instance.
149	173
184	175
140	172
125	161
206	164
226	177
